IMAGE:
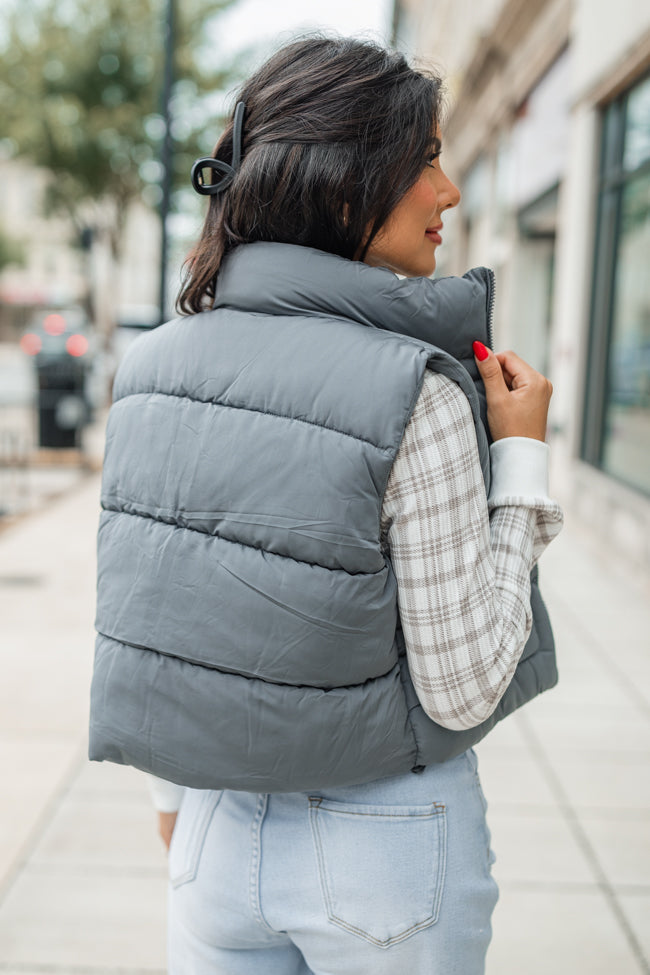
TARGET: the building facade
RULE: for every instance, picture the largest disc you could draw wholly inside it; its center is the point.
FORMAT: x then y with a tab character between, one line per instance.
547	132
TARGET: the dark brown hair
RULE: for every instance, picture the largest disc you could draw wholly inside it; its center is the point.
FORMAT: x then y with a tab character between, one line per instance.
336	131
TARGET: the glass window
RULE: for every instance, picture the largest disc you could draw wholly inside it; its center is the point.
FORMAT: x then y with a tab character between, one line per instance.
617	415
637	129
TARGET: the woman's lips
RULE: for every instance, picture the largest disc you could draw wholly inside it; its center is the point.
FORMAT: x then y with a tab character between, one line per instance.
432	234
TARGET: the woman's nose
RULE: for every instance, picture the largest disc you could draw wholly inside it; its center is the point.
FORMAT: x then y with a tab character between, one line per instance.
452	195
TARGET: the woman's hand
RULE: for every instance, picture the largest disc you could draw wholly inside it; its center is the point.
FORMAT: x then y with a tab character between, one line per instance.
166	823
517	395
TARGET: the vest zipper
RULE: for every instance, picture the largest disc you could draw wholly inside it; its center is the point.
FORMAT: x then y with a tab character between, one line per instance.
490	308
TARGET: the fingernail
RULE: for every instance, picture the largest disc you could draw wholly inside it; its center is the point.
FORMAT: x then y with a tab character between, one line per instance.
480	351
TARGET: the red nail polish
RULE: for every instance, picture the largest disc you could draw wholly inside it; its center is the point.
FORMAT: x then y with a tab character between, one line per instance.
480	351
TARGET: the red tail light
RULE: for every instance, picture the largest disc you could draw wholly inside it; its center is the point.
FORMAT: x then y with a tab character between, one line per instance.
77	345
54	324
31	344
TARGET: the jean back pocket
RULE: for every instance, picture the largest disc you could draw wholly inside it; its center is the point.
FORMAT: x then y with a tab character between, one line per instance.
381	868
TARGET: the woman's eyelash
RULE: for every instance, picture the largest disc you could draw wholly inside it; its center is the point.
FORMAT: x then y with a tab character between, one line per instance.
432	157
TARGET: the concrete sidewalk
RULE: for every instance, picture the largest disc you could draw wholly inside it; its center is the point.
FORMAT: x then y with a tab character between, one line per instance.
82	872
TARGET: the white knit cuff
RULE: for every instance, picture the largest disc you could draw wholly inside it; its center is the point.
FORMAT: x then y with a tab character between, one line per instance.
166	795
519	468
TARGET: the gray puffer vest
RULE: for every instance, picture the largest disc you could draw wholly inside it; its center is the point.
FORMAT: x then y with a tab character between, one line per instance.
248	632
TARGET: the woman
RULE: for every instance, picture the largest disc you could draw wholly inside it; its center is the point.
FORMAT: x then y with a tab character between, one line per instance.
309	607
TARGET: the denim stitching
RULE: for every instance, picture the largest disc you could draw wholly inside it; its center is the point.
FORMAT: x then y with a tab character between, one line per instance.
478	789
256	861
438	807
197	838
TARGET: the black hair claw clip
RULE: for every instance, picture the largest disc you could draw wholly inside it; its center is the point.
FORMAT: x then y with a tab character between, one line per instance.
205	182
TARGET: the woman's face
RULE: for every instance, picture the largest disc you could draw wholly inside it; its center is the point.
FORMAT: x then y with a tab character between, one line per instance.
408	240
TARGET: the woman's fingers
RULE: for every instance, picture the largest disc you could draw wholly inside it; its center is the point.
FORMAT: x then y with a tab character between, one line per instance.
507	375
517	372
490	370
517	395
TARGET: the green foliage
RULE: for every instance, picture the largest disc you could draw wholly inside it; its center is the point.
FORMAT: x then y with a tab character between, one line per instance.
81	83
11	251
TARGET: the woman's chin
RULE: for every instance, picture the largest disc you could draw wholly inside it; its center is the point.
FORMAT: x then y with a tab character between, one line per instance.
419	267
423	269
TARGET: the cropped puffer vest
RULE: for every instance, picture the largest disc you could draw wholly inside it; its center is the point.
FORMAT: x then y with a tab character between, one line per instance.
248	634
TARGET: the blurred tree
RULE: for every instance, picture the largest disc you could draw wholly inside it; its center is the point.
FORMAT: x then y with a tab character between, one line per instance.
11	251
80	85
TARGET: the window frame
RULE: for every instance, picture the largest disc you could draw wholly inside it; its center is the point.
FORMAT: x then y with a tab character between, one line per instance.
611	183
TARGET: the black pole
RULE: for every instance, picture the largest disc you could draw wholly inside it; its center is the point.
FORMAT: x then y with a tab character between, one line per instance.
395	22
166	154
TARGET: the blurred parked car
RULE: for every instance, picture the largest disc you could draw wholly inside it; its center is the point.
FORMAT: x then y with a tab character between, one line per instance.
61	345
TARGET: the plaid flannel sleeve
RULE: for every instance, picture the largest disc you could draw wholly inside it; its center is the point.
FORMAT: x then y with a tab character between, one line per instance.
462	563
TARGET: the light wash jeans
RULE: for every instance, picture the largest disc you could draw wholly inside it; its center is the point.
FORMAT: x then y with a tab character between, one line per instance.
388	878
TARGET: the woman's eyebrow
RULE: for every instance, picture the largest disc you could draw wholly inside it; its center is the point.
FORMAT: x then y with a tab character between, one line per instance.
436	144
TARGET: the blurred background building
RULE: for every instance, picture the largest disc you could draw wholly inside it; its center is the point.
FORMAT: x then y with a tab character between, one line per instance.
548	136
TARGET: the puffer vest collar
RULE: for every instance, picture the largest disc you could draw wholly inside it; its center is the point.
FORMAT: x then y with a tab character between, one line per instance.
286	279
446	313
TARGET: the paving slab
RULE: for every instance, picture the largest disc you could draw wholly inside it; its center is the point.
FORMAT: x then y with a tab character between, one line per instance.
505	741
538	849
636	906
107	781
623	849
560	930
606	785
514	782
35	769
88	832
613	735
69	917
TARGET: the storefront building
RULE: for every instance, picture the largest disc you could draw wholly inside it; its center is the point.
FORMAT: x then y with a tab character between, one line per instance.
547	133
